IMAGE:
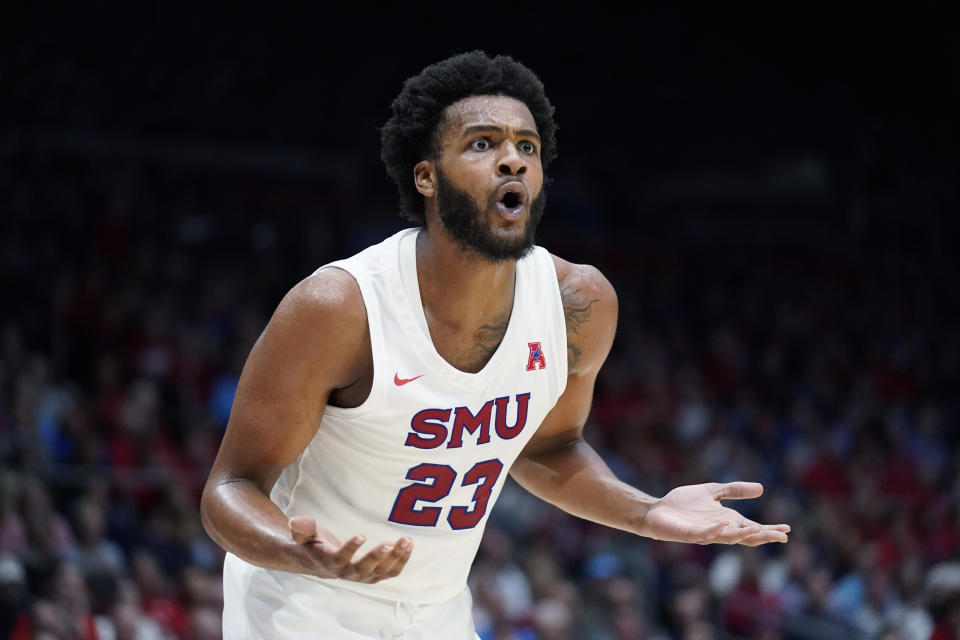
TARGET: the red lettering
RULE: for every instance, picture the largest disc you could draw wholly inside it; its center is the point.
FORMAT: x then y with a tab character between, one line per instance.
464	419
433	483
507	432
423	424
536	360
484	475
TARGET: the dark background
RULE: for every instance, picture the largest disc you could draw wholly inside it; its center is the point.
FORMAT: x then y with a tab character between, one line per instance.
773	194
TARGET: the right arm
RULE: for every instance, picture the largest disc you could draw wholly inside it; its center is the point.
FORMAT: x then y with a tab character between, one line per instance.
317	341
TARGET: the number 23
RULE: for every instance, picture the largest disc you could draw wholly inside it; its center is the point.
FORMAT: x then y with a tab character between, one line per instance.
433	482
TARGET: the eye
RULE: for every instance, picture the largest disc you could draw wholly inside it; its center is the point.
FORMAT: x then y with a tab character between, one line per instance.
480	144
527	147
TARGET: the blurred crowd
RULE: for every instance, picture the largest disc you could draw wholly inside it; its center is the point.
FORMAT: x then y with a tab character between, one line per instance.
133	290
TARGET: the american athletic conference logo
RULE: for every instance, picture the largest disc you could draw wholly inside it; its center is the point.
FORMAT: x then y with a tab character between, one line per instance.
535	360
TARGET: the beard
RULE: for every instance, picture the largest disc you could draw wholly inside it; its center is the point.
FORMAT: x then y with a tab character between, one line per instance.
468	226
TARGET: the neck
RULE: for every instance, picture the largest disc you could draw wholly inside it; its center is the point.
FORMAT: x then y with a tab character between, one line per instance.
458	287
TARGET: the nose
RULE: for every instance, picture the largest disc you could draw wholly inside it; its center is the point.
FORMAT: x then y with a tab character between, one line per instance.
511	163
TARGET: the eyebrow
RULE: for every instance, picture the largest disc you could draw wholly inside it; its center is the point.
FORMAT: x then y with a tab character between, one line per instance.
489	128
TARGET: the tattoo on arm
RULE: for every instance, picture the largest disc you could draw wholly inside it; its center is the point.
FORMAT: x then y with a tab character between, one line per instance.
576	311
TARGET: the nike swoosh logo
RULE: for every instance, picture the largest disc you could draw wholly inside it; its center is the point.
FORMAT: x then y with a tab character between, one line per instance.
397	380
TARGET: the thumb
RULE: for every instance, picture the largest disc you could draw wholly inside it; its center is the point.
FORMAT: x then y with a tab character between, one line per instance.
302	528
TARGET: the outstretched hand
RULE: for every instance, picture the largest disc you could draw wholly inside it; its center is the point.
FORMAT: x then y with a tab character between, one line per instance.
694	514
331	559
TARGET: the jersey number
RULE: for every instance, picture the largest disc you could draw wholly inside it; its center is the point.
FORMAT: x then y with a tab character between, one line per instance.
433	482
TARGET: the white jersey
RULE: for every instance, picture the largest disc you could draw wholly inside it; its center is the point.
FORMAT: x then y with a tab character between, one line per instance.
428	451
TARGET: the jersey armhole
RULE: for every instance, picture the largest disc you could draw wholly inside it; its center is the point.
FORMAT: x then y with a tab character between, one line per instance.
561	322
377	352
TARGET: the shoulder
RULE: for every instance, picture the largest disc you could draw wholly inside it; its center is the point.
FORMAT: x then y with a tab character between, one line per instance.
322	323
590	309
325	288
330	295
581	281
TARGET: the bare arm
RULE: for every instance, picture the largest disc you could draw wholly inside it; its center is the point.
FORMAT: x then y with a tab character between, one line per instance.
317	341
558	466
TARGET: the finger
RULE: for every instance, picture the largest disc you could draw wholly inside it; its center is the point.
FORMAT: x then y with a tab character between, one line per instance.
393	564
344	555
783	528
368	563
764	537
736	490
302	528
734	534
381	562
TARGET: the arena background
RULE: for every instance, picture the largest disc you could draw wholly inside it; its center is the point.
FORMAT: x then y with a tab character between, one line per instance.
773	194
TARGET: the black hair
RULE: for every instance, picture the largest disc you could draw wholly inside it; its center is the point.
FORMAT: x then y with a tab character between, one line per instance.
410	135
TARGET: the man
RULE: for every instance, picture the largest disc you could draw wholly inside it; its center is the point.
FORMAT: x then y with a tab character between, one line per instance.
391	393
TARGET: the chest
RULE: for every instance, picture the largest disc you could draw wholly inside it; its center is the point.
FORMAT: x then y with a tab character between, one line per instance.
468	353
468	348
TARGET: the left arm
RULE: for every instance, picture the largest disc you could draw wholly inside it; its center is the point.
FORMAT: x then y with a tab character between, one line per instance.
558	466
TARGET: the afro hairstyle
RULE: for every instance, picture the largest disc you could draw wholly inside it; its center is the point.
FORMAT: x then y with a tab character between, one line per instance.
410	135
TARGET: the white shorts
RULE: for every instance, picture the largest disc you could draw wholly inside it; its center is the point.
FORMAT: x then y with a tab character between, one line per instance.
260	604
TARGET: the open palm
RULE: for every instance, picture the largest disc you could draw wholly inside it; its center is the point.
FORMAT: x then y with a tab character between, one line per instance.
694	514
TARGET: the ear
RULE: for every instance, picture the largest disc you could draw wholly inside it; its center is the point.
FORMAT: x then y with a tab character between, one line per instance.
425	177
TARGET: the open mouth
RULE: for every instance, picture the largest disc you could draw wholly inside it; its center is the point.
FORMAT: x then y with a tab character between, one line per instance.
510	204
511	200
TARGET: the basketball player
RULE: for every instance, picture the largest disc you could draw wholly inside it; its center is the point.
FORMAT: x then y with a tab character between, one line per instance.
390	395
